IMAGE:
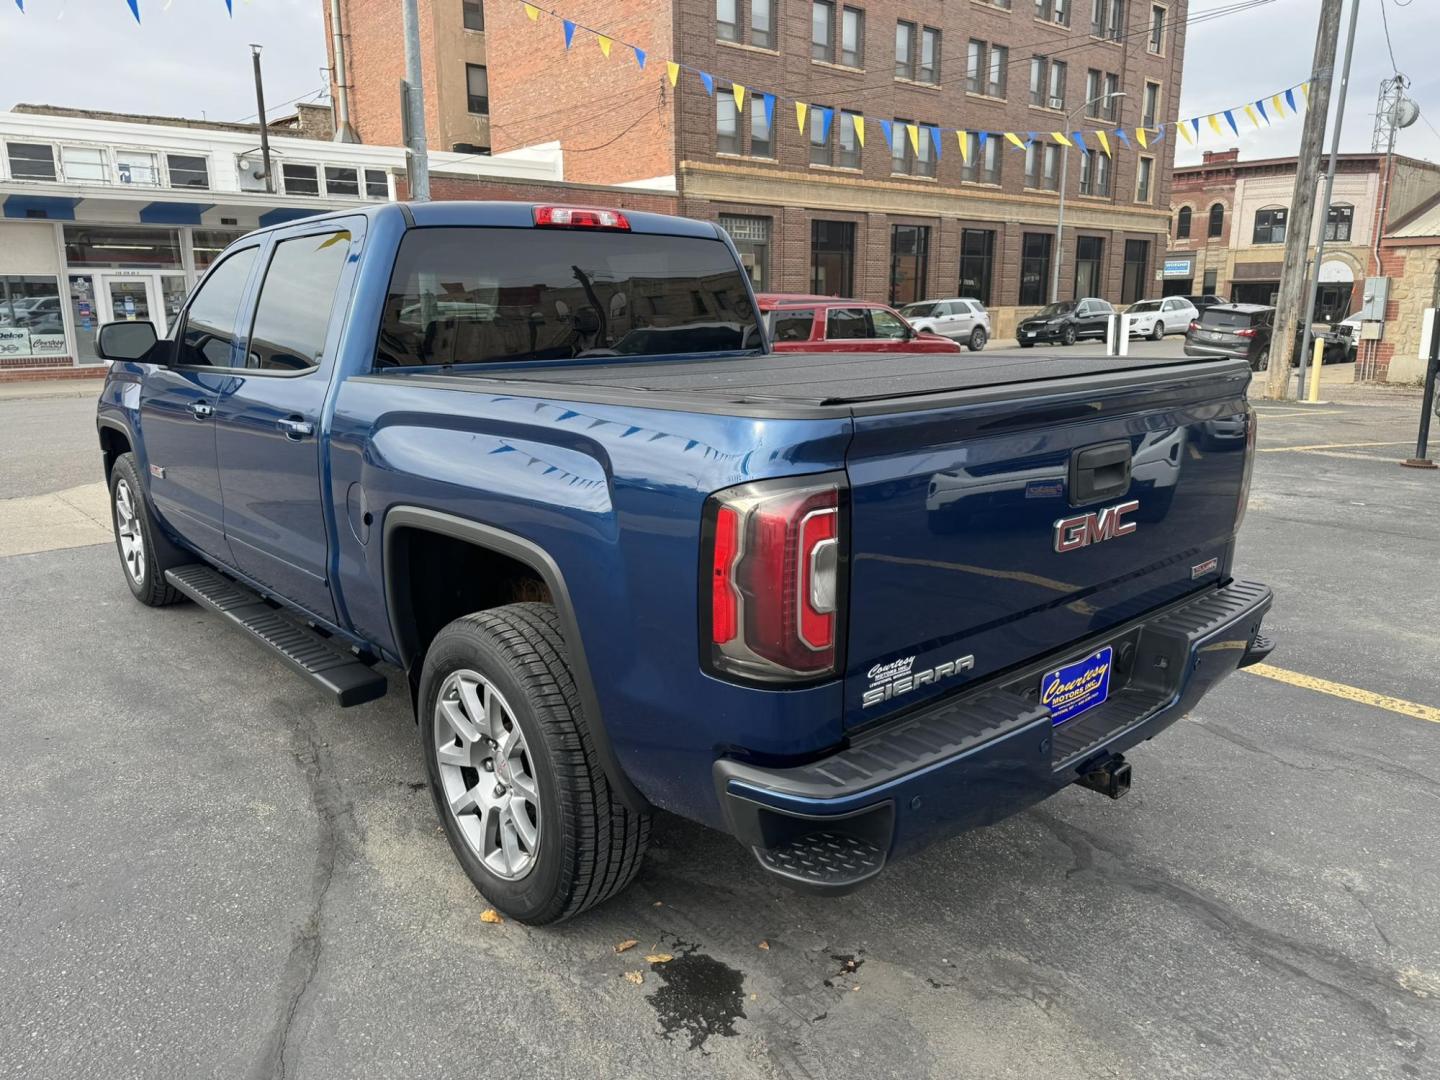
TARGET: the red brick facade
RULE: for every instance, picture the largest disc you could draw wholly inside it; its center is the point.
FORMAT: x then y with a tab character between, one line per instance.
447	187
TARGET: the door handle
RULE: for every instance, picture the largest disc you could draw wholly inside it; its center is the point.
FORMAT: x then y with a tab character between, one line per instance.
202	410
295	428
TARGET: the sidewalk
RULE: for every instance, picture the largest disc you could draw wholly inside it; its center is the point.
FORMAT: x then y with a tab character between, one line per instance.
27	389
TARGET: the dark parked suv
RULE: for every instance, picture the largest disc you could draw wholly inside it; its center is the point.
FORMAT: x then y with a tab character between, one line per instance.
1238	330
1204	301
1065	322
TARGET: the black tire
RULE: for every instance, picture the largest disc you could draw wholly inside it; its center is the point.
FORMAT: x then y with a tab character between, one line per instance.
1027	344
1068	337
978	337
590	846
1157	332
1261	362
144	568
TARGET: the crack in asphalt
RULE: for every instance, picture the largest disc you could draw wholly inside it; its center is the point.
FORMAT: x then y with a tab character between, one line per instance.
304	960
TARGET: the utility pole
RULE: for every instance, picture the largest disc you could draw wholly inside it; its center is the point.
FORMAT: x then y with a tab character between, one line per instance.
1325	203
1288	309
415	107
264	127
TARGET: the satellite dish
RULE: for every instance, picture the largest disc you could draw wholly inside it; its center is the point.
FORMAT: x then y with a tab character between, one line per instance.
1403	113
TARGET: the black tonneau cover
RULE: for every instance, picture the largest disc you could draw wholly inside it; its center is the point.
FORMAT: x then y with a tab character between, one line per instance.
824	378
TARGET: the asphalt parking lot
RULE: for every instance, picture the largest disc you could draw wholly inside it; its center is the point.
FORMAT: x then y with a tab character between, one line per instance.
206	870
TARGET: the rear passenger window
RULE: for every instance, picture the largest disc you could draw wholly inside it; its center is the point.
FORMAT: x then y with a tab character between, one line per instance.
209	336
792	325
846	323
295	302
887	325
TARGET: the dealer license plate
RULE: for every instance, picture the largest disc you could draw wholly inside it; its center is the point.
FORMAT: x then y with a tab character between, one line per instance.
1078	687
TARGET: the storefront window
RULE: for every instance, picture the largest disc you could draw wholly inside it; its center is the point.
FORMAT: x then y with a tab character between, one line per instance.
751	236
909	263
86	315
117	246
832	257
209	243
31	321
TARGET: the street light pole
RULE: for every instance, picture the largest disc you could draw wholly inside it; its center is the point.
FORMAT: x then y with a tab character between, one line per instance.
415	105
1060	214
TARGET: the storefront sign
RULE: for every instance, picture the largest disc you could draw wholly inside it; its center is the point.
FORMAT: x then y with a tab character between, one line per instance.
47	344
14	341
1179	268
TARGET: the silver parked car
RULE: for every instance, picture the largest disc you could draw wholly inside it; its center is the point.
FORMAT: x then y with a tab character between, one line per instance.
1156	318
961	319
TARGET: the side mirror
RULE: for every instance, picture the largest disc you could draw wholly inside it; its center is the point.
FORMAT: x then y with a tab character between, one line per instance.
125	340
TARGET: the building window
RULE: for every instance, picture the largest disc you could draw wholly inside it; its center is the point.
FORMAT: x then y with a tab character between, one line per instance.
376	184
899	147
1101	102
31	318
977	264
1047	83
1033	155
982	164
751	236
929	69
84	163
122	246
474	14
985	68
136	167
1095	175
1034	268
904	50
907	159
1050	177
1217	220
1089	266
1338	222
849	144
1107	19
761	137
1144	172
1052	11
762	28
477	88
820	151
832	258
188	171
1042	165
822	31
1182	224
909	263
300	179
341	181
1137	269
852	37
727	20
31	161
730	138
208	244
1157	29
1150	110
1270	226
1212	278
727	125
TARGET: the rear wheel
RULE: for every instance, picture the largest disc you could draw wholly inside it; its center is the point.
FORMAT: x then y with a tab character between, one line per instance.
1027	344
978	337
513	768
1157	331
145	554
1068	337
1261	362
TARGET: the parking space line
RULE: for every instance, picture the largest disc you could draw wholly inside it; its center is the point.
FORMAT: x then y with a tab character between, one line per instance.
1327	446
1281	413
1349	693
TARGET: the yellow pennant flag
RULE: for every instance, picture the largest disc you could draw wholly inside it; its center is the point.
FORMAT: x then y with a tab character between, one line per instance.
964	137
913	130
1184	128
1214	123
739	93
1250	112
532	11
1279	104
859	122
672	69
1061	138
800	110
1305	89
1104	143
604	44
1015	139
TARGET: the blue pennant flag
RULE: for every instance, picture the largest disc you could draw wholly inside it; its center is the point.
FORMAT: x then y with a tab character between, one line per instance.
135	9
1195	125
1263	114
1080	142
639	57
935	138
569	31
769	112
230	7
1124	139
21	5
886	127
1030	137
1159	133
709	82
981	138
1290	100
1230	119
825	115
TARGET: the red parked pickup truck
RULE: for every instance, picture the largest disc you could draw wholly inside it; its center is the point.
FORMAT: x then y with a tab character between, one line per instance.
800	323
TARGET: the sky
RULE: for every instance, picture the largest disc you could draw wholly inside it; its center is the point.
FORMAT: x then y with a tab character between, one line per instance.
189	57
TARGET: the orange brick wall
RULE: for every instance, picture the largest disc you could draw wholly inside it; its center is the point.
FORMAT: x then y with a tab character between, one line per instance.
444	187
375	59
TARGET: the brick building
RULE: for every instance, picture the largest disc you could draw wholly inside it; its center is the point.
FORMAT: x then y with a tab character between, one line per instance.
814	209
1410	258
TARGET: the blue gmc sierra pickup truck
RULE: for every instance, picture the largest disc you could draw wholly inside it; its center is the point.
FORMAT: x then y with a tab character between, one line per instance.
541	460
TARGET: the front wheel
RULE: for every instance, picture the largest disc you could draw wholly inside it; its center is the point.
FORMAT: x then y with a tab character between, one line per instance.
145	554
1068	337
1157	331
524	802
1027	344
1261	362
978	337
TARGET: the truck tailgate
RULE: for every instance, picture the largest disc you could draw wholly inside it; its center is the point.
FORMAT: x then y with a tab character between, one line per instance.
985	534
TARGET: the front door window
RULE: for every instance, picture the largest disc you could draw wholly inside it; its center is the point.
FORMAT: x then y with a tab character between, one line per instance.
86	317
129	300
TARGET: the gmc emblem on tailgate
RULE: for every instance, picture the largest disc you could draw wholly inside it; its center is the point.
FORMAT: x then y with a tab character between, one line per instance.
1082	530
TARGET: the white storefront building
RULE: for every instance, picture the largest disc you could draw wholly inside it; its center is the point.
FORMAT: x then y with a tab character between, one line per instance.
107	217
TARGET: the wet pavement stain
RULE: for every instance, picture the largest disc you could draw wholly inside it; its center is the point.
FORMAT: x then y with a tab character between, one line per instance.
701	997
849	965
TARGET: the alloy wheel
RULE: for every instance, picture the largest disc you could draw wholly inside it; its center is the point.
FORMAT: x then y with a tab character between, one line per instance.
487	774
127	527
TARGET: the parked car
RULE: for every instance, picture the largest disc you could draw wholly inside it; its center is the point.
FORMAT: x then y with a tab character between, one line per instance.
960	319
1156	318
800	323
703	582
1201	301
1239	330
1341	340
1065	322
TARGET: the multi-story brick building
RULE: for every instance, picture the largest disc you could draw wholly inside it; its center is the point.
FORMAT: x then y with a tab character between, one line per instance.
813	208
1231	218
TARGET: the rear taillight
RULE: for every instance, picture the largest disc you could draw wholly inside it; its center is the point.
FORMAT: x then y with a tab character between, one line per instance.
1245	333
580	217
1194	326
1250	421
771	608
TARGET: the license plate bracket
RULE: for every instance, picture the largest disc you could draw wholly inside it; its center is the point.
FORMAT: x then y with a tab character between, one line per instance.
1078	686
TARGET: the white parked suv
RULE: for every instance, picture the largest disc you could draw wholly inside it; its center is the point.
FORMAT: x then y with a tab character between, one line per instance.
960	319
1156	318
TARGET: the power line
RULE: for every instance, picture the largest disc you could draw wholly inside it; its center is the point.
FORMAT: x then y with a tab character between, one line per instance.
298	97
1385	22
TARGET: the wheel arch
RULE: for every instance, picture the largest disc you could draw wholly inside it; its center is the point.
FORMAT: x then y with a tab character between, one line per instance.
403	522
115	439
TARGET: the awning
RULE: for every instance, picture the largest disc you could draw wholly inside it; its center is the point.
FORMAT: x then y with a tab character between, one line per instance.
54	207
